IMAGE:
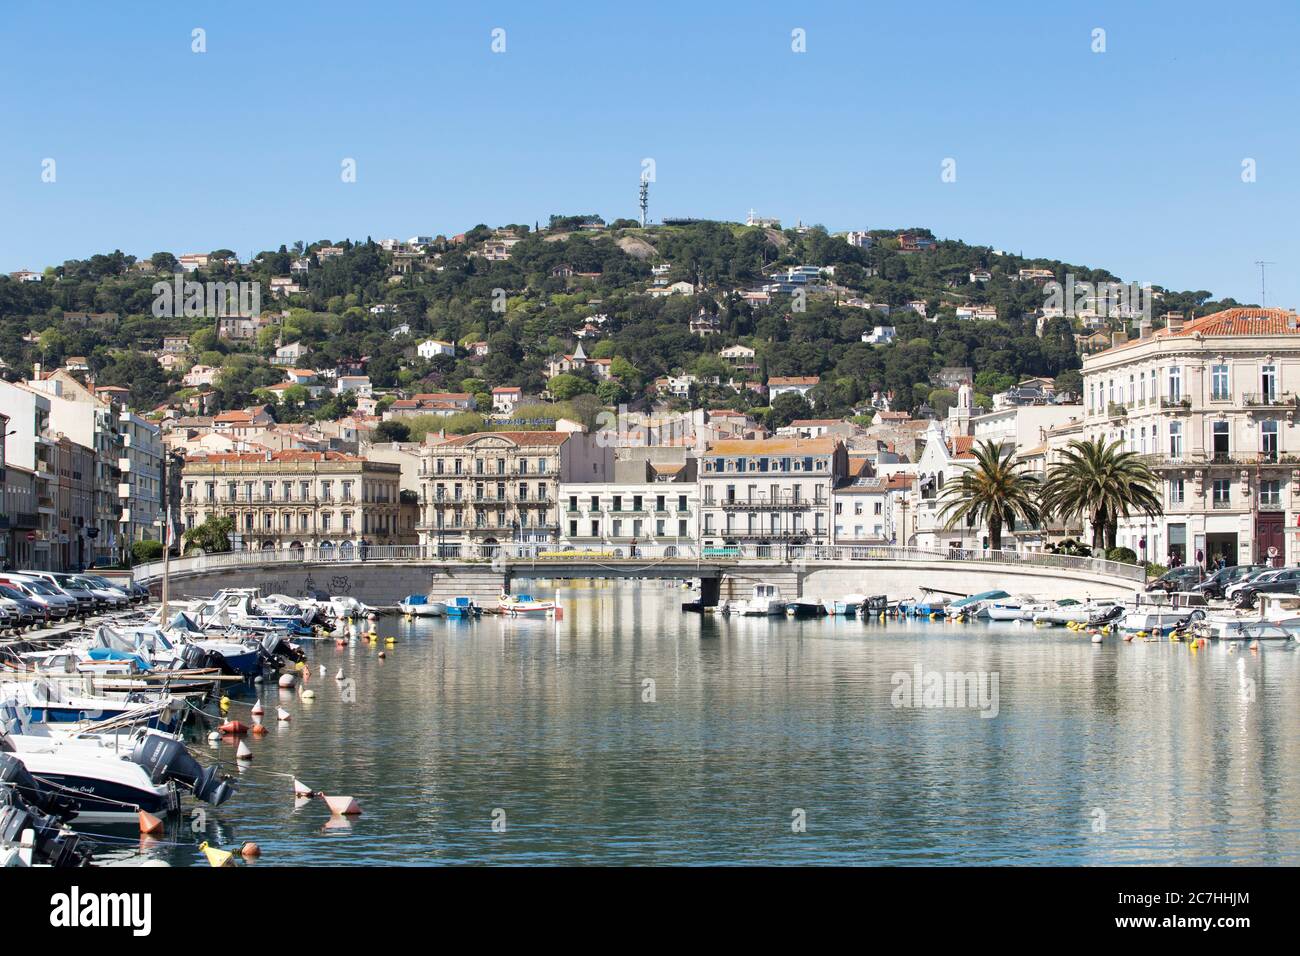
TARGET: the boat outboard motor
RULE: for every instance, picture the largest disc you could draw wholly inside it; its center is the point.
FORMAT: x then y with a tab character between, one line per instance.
16	777
193	657
166	758
1106	617
52	845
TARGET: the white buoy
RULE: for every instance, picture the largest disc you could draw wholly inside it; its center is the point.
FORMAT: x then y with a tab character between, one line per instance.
309	695
258	710
287	680
300	789
243	752
214	736
282	714
342	806
339	675
1097	638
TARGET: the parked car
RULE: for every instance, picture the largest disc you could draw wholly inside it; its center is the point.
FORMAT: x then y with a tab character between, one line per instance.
28	611
1275	581
1260	576
57	604
81	593
1217	583
114	594
1178	579
139	592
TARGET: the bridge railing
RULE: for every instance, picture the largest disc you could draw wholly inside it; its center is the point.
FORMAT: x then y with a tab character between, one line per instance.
512	555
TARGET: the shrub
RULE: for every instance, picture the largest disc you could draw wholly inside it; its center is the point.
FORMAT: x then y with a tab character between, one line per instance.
142	551
1126	555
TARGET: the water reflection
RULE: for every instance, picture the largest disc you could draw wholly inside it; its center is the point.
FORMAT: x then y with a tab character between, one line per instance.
1139	753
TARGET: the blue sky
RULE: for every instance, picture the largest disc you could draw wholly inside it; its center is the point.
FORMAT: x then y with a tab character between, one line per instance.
1128	159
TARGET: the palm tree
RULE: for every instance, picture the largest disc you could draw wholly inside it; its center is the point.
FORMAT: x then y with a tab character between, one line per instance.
993	491
1099	482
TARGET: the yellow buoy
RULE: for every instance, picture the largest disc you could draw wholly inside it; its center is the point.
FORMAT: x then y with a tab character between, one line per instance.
217	857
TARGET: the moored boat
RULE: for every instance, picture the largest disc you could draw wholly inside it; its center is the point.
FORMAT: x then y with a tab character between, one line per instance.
463	607
418	605
517	604
974	606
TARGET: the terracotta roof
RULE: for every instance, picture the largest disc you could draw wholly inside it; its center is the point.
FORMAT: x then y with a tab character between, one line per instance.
217	458
814	421
961	446
773	446
793	380
1241	321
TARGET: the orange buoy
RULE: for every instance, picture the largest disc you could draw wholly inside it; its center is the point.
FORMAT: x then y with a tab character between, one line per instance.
259	730
148	822
250	850
234	727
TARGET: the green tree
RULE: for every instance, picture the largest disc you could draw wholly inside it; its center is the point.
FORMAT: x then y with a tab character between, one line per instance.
392	430
211	536
1101	483
993	492
565	386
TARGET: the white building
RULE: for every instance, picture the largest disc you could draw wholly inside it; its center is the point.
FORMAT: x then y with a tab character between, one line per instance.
1213	403
432	347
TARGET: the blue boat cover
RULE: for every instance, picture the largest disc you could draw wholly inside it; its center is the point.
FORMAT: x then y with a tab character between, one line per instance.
108	654
416	599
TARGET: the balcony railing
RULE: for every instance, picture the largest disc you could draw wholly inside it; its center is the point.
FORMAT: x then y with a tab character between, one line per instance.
761	502
1222	504
1181	403
1115	410
1270	400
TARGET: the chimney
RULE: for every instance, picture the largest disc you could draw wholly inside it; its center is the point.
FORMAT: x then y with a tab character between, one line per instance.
1174	321
1118	338
1144	329
36	371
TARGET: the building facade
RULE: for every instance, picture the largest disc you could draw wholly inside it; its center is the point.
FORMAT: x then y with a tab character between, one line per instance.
1212	404
295	499
481	491
769	492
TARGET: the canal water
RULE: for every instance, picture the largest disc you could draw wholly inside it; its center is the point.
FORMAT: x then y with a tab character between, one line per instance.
632	733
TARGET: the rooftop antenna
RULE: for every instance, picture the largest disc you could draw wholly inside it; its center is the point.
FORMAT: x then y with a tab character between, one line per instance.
645	198
1263	299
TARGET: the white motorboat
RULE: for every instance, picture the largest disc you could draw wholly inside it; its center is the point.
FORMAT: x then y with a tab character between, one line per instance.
418	605
1091	612
1018	607
1163	612
520	604
1276	617
765	602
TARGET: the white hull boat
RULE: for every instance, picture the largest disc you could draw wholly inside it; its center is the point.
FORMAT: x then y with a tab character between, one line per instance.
417	605
1277	618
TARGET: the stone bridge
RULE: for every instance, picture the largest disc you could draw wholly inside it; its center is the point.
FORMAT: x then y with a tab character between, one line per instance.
384	575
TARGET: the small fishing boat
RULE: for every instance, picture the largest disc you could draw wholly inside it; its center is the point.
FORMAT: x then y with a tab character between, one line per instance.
463	607
974	606
805	607
517	604
846	606
1074	612
1158	611
1014	608
765	602
418	605
1276	618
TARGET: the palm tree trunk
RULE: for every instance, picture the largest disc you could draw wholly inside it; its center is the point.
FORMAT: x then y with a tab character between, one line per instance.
1099	530
995	533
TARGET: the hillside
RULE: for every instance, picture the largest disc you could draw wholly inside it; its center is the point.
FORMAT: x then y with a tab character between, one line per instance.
529	306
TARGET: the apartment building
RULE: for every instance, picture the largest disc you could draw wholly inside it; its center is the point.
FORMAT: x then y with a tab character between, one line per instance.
295	499
647	503
769	491
483	490
1212	403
